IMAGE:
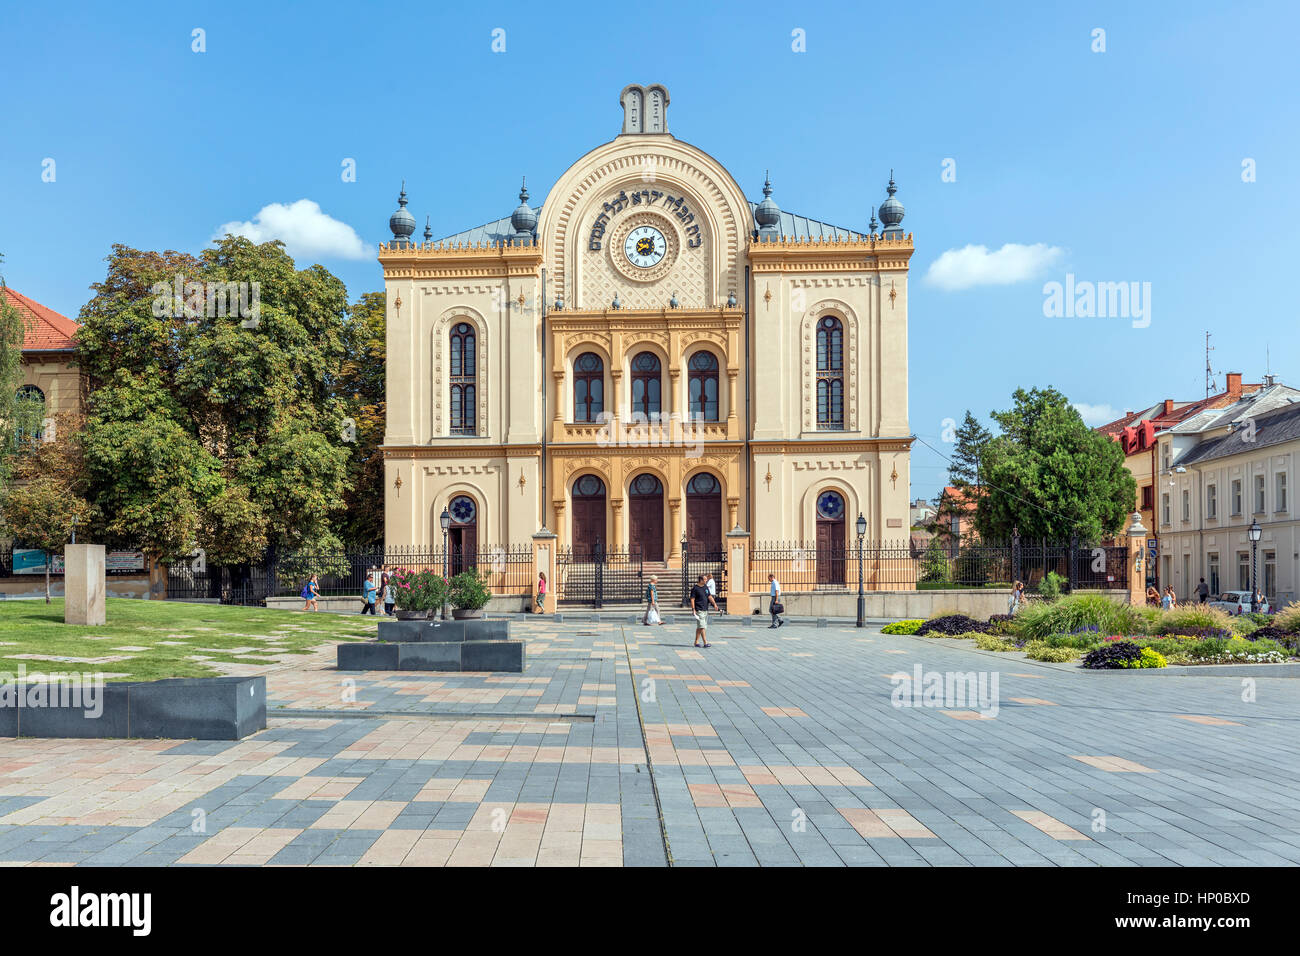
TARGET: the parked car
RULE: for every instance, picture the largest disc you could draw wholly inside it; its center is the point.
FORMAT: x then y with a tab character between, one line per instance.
1238	602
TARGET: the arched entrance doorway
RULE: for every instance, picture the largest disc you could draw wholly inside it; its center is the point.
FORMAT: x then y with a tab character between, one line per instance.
588	516
462	536
645	517
704	516
830	538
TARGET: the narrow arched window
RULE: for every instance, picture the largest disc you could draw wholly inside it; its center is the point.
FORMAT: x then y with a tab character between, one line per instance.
464	380
646	384
830	373
588	388
29	414
702	386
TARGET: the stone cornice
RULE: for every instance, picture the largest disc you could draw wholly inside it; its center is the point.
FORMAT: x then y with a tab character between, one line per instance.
449	261
825	254
684	320
830	446
459	450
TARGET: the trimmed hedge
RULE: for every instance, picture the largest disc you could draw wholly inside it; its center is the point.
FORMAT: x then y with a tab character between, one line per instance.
909	626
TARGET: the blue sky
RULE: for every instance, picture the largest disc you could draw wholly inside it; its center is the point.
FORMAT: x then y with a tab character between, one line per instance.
1119	166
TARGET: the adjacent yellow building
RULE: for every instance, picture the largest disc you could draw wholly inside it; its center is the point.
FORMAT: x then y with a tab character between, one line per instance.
648	357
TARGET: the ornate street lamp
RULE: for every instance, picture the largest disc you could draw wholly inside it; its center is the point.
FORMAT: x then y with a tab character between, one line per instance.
862	598
1254	532
444	519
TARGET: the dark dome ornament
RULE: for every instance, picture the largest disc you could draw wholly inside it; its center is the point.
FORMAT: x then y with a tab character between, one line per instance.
768	213
891	211
402	223
524	218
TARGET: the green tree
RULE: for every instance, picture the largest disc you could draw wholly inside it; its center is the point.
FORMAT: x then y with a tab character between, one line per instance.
216	377
42	513
361	388
964	467
11	359
1050	475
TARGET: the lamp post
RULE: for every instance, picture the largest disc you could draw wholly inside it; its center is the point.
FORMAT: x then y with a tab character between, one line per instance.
862	598
444	519
1254	532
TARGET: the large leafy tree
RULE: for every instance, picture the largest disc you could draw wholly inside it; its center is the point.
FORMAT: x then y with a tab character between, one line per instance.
1050	475
361	388
11	357
41	513
209	428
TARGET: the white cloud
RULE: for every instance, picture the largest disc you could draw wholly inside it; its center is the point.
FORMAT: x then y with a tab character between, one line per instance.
1095	415
970	266
306	231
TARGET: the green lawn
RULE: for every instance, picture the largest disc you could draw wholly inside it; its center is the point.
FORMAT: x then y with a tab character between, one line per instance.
156	639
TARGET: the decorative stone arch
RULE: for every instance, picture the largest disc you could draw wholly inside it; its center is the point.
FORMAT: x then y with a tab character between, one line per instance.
441	357
657	344
631	164
714	343
485	519
808	361
807	515
598	344
692	470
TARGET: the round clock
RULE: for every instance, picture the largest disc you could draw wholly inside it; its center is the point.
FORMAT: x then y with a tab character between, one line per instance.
645	247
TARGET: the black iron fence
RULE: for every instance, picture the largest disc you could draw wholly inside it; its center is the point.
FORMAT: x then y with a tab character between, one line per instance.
897	565
507	570
595	575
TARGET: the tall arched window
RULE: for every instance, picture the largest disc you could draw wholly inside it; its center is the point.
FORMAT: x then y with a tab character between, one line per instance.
29	414
464	380
646	384
588	388
702	386
830	373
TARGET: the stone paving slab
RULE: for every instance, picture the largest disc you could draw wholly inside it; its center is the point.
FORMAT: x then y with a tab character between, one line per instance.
624	745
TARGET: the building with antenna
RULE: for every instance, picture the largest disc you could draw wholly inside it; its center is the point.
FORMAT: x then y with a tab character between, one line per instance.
647	358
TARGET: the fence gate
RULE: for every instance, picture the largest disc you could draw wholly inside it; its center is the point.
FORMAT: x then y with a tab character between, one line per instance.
599	576
696	562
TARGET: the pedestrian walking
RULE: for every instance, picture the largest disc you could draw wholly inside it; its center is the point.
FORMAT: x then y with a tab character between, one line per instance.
1017	598
387	593
368	592
774	605
712	586
652	602
700	601
541	591
1153	596
1167	599
310	592
1203	591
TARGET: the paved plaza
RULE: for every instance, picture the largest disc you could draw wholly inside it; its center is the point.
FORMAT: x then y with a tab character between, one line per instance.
623	745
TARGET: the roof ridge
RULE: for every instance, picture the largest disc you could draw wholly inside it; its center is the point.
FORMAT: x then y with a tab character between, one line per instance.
59	330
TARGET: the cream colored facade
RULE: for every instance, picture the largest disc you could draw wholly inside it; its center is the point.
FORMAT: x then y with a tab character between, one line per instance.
647	255
1220	472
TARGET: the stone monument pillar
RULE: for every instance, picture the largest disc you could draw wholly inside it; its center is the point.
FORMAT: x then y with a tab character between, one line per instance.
544	561
738	571
1137	558
84	585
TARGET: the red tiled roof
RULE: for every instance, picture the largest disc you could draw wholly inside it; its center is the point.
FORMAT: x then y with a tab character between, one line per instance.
44	329
963	500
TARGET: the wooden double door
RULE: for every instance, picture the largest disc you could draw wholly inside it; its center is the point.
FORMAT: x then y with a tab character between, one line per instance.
703	516
645	517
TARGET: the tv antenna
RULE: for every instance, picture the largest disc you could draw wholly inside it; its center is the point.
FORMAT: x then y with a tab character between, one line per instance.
1209	374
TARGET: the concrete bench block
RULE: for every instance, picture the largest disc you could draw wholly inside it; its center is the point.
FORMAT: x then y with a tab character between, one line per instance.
493	656
203	708
367	657
185	708
430	656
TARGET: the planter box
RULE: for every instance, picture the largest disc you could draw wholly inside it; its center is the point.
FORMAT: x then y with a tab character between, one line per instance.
471	645
473	630
192	708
